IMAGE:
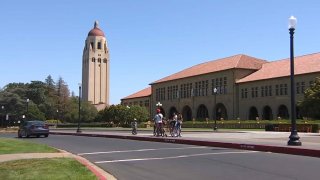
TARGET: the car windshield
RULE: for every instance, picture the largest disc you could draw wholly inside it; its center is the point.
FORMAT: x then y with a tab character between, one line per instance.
36	123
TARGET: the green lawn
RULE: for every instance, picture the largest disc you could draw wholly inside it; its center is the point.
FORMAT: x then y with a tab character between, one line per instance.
45	169
11	146
49	168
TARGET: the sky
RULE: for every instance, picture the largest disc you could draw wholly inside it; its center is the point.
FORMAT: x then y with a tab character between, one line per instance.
147	39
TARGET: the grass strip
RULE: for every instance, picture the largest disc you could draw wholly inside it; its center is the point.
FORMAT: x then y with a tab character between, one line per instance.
12	146
51	168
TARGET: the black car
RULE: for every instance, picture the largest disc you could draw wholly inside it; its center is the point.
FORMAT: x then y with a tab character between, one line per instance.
33	128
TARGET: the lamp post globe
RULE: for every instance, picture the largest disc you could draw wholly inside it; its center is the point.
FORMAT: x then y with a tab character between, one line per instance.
294	137
159	105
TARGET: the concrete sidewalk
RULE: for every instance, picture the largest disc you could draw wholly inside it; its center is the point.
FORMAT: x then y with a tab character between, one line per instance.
275	142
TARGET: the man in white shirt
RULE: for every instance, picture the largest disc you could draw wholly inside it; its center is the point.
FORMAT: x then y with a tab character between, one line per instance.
158	122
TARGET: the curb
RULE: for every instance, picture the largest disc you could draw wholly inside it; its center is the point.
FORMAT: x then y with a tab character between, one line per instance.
97	171
100	174
252	147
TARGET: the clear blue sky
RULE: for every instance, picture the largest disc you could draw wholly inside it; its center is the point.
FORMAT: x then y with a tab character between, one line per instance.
148	39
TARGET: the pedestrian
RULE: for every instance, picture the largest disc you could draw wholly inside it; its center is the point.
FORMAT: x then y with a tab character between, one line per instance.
134	126
158	123
179	123
173	123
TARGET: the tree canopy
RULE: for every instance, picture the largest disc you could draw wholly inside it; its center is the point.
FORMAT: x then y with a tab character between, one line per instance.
43	101
310	106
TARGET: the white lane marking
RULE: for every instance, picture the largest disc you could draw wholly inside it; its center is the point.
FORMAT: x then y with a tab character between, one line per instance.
173	157
139	150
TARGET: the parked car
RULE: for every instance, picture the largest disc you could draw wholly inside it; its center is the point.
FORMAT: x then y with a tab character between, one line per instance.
33	128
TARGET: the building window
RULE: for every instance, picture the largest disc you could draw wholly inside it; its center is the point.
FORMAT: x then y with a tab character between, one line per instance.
262	91
298	87
146	103
244	93
99	60
303	87
225	85
99	45
104	60
270	90
157	94
310	83
254	92
220	84
93	60
277	90
190	90
175	92
162	94
92	45
285	89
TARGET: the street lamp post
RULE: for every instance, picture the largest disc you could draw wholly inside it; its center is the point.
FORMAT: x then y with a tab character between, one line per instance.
2	108
27	114
215	90
294	137
78	129
57	118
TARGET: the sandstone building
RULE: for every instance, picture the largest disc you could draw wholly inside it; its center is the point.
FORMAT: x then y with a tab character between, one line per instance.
234	87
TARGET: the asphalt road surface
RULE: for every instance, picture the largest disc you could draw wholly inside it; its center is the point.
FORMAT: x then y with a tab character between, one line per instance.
139	160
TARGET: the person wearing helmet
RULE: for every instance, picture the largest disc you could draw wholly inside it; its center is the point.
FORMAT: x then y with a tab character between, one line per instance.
158	123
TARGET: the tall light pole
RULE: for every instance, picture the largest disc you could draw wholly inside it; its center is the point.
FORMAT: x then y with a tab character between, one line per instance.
57	118
215	90
2	108
294	137
27	114
78	129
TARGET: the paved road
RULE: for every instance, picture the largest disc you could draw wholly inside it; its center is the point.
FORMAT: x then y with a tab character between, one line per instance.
129	159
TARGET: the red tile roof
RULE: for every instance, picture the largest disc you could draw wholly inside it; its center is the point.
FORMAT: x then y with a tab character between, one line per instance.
238	61
303	64
143	93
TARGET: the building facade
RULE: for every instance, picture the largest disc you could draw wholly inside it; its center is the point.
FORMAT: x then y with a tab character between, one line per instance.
236	87
95	68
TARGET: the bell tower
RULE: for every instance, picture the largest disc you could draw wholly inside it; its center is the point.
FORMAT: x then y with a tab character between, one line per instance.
95	68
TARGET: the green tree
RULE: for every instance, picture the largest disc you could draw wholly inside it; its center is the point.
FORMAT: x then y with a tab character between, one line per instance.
123	115
138	112
63	99
88	112
310	106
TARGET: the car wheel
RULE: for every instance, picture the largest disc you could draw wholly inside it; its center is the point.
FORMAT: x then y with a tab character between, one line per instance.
46	135
19	134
